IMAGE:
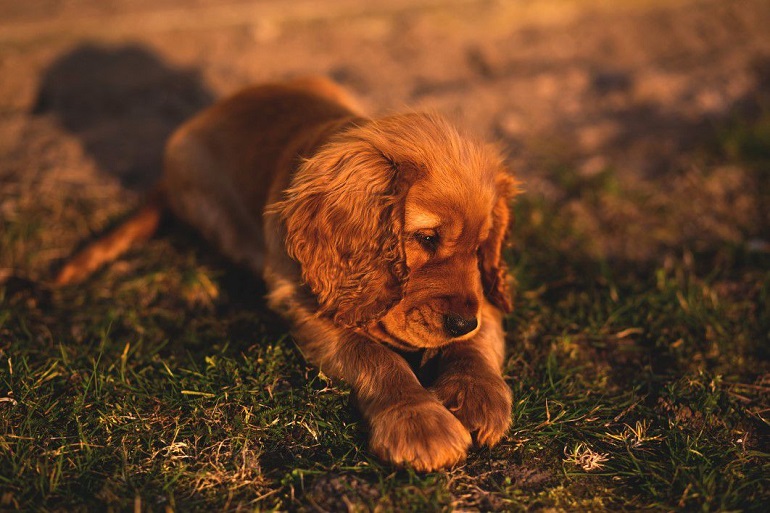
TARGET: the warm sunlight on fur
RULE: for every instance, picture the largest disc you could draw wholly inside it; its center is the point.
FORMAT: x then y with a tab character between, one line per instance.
376	237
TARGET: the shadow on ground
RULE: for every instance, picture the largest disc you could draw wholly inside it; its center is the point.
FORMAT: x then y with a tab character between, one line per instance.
123	103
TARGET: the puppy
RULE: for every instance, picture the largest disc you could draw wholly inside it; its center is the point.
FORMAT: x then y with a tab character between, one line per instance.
379	241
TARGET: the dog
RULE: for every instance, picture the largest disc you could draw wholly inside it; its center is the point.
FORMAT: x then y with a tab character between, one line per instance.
379	241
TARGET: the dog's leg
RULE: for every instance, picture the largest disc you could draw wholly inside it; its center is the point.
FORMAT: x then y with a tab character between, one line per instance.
470	383
408	425
137	228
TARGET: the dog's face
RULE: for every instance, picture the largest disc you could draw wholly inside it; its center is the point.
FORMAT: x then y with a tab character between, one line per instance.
398	226
446	222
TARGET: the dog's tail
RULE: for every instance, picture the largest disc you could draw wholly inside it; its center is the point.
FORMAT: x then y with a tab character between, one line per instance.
138	227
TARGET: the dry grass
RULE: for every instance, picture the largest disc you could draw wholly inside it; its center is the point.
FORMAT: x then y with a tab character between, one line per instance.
638	350
164	382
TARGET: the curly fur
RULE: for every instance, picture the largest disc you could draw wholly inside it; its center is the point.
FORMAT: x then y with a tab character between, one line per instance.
380	241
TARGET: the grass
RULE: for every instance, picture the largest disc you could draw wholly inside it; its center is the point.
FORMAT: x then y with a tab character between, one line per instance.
165	384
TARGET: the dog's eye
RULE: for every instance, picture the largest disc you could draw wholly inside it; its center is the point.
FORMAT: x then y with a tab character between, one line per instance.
429	241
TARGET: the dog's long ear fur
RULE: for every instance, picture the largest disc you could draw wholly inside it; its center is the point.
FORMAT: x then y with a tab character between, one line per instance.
494	272
343	218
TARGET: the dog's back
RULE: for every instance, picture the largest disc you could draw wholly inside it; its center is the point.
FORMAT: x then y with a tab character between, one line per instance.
223	166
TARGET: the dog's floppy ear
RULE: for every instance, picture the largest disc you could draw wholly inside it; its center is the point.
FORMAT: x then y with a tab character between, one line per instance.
494	271
343	214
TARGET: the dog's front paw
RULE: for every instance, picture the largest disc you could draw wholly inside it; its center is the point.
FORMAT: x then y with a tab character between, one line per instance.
424	435
481	402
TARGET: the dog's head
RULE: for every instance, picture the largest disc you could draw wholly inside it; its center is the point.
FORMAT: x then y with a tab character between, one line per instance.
398	225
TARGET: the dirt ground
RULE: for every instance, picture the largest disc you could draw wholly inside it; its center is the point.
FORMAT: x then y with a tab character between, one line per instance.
89	91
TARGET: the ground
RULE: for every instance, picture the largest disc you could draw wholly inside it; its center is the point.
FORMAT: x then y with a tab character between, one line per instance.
638	349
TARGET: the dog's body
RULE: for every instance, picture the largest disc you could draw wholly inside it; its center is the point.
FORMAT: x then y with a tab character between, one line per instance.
375	238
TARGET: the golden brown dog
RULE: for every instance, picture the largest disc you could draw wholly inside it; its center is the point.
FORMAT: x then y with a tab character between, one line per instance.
378	239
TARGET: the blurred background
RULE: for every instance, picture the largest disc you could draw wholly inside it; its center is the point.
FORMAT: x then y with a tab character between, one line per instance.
637	100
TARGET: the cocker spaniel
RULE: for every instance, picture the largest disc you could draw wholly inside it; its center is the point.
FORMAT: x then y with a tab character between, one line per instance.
379	240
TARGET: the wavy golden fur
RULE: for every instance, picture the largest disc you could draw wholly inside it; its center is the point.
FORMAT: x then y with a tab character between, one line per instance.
379	239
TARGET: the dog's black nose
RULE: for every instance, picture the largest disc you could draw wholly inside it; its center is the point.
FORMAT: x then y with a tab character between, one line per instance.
457	326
